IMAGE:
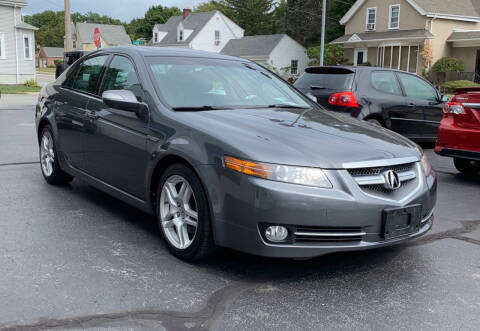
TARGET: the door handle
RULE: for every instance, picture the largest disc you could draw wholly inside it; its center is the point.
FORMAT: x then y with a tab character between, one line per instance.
411	105
92	115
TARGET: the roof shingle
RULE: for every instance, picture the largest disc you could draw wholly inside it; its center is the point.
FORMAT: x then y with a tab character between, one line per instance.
261	45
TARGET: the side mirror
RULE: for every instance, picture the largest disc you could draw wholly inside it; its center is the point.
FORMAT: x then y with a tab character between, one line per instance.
122	99
444	98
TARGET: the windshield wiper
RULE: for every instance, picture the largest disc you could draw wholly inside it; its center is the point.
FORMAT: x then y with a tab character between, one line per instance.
201	108
286	105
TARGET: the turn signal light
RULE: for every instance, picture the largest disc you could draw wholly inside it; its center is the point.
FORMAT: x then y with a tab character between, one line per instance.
343	99
453	108
247	167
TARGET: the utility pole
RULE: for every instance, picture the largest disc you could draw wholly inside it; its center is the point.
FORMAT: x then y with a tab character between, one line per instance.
68	27
324	16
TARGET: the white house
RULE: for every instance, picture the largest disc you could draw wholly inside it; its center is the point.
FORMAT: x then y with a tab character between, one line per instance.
208	31
17	44
278	52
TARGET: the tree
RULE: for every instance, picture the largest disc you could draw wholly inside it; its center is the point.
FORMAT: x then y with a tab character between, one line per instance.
155	15
255	16
213	5
336	10
333	55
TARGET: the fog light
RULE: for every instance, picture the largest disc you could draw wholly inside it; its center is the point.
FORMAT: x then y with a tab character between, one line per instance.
276	233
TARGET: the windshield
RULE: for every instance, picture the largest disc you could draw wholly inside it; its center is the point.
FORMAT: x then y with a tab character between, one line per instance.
212	83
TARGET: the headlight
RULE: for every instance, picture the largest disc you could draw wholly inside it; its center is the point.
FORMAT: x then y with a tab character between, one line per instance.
281	173
427	167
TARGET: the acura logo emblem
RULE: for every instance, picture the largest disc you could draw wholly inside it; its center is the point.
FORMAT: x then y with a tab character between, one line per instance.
392	181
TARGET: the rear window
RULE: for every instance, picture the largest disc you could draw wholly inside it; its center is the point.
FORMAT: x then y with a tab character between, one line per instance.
338	79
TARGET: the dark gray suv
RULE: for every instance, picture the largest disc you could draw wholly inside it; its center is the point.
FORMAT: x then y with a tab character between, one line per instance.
224	153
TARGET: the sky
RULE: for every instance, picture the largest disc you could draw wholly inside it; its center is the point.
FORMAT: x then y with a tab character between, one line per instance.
124	10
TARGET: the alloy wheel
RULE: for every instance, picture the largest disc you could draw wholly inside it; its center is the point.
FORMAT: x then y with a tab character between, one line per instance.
178	212
47	154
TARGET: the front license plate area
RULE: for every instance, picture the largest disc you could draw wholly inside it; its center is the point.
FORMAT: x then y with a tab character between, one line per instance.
398	222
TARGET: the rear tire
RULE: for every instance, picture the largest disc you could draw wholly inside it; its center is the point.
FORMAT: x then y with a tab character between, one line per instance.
49	164
467	167
183	214
374	122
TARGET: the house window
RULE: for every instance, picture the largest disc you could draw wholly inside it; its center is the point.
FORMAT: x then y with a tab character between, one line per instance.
180	36
74	44
155	38
217	37
394	18
294	67
2	45
27	48
371	19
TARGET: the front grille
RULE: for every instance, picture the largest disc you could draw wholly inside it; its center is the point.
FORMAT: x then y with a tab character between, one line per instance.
378	170
315	234
372	181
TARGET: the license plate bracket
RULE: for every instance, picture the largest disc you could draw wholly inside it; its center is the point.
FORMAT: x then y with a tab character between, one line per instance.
398	222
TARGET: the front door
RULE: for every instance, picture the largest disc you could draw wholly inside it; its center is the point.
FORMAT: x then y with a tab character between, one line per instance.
360	56
425	99
118	154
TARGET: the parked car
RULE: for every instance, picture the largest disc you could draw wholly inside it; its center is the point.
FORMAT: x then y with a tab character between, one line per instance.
397	100
459	131
224	153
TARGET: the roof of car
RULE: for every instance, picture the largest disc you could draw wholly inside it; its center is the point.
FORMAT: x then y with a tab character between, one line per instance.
167	51
355	68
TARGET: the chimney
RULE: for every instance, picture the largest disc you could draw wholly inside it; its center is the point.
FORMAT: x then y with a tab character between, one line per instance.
186	12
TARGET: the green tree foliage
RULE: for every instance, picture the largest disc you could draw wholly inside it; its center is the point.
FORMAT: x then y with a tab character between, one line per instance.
219	5
335	11
333	55
255	16
448	64
142	28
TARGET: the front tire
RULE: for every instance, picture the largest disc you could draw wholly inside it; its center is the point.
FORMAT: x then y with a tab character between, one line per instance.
49	164
467	167
183	214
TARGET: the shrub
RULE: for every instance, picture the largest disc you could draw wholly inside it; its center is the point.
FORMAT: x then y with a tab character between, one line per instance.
31	83
448	64
333	55
449	87
57	62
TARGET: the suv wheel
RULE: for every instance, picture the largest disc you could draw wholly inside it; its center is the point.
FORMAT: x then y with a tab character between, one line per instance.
49	161
467	167
183	215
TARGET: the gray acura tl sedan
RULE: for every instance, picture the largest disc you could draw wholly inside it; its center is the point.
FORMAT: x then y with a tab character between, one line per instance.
224	153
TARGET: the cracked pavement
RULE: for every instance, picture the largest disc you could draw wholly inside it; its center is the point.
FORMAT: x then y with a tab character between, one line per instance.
74	258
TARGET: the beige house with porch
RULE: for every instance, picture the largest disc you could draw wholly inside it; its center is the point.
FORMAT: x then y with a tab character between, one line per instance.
397	33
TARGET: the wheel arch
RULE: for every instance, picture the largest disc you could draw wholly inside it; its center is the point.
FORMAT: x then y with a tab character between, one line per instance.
41	125
376	116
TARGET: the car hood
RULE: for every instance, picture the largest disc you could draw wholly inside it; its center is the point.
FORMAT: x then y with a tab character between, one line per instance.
300	137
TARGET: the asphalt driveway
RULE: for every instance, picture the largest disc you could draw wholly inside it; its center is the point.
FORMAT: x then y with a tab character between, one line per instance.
75	258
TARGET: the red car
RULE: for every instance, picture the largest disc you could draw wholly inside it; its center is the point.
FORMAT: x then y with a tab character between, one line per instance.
459	131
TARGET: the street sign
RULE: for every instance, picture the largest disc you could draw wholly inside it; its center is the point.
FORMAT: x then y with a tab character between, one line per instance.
137	42
96	37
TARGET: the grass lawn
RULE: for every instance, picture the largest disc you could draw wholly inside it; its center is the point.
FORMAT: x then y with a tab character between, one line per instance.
18	89
49	70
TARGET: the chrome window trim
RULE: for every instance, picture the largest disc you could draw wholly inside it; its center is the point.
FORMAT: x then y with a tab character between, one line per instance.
380	163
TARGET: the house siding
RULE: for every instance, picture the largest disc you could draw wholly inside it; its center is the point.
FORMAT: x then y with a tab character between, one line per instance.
286	51
205	39
442	29
468	55
8	66
410	18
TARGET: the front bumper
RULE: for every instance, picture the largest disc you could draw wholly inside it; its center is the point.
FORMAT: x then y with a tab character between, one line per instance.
241	205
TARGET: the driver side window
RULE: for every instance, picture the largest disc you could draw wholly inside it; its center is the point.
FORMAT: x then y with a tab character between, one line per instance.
417	88
121	75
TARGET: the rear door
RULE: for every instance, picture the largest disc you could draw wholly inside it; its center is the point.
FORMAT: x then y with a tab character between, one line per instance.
385	97
71	115
324	81
117	155
424	98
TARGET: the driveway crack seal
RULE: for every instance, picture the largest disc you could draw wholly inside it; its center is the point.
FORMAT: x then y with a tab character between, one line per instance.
457	233
204	319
